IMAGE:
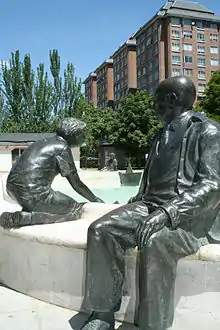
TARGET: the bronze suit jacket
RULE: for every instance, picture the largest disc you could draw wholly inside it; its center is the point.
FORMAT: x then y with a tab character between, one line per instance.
197	205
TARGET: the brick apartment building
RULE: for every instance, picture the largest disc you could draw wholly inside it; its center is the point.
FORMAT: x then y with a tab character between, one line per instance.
104	83
91	88
182	38
125	70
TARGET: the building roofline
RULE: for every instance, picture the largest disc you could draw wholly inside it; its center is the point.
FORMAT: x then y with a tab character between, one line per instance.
107	61
90	76
169	10
190	15
20	138
130	42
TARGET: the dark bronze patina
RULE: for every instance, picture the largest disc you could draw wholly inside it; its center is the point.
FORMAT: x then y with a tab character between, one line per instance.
175	212
30	179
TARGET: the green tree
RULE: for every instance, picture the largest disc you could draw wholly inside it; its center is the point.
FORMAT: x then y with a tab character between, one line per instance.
12	87
57	89
211	102
28	97
72	98
30	102
137	122
67	94
101	124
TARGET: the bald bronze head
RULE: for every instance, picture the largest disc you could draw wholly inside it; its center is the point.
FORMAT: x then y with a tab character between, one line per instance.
174	96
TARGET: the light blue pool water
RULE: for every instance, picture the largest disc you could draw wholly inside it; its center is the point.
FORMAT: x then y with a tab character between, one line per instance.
110	195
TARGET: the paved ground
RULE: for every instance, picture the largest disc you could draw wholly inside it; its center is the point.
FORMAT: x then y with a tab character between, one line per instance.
20	312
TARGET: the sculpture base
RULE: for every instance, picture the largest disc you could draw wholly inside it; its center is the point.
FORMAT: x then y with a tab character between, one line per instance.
48	262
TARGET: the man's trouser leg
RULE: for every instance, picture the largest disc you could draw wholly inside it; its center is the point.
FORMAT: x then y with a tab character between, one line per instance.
158	263
108	238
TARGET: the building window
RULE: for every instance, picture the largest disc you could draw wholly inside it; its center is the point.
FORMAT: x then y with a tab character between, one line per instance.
150	65
200	24
149	30
149	41
201	74
201	49
138	40
187	47
156	63
187	22
156	75
138	51
200	37
188	72
187	34
150	78
155	49
144	71
155	36
175	72
187	59
201	88
175	46
175	59
175	21
213	26
142	48
213	37
175	34
213	50
138	83
149	52
214	62
155	26
201	61
138	72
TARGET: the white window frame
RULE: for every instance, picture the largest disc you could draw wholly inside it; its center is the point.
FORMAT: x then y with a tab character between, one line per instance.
187	56
175	35
214	60
203	76
175	56
212	48
202	59
187	48
175	47
200	39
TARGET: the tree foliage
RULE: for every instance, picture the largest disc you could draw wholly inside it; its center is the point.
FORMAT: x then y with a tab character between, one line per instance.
31	102
137	122
101	125
211	102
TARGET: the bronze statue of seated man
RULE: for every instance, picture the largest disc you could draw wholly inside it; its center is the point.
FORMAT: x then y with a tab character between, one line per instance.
30	179
175	212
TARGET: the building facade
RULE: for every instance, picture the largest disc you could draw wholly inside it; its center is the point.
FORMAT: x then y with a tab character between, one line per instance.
105	84
125	70
91	89
182	38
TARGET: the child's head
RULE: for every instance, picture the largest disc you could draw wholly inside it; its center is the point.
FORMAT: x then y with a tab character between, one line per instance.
72	130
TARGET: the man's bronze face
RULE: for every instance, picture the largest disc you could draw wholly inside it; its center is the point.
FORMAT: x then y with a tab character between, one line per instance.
165	107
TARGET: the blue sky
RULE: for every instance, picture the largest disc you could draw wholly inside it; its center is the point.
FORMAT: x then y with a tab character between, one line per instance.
84	32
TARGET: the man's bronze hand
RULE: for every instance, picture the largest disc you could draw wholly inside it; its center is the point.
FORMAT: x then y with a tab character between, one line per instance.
154	223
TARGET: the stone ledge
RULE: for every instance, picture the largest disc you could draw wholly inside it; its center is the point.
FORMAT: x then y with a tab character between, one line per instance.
71	234
48	263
